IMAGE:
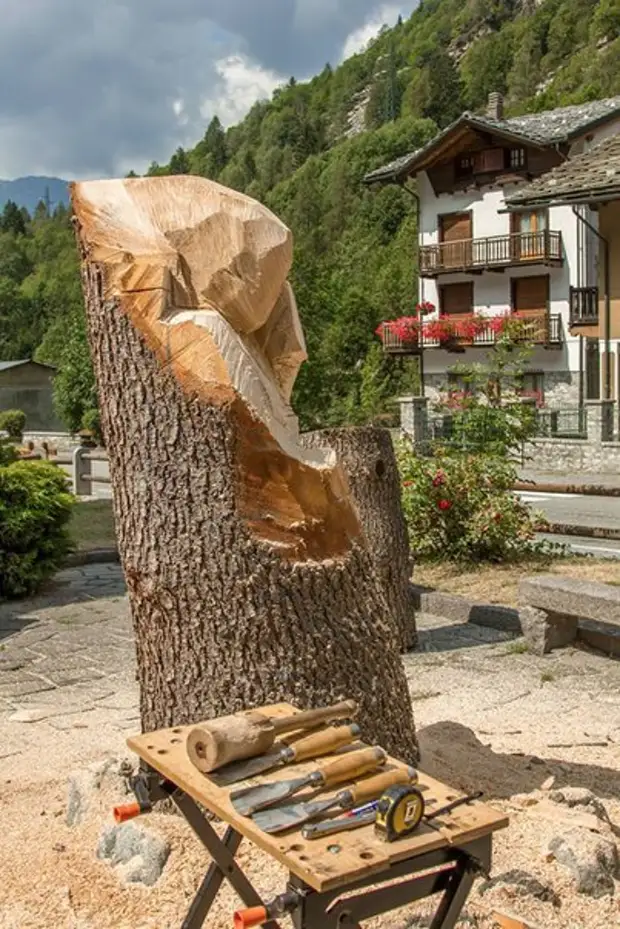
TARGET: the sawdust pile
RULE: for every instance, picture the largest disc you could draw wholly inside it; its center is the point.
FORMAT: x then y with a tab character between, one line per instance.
51	878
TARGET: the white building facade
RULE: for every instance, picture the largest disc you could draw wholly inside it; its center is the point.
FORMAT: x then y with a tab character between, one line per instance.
476	257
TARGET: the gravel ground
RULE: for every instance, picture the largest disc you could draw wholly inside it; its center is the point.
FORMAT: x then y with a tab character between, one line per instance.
489	716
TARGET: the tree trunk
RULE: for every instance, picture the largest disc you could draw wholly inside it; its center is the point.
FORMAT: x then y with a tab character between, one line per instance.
366	455
247	570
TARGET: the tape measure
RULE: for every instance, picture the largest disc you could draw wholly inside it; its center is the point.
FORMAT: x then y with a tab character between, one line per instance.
399	812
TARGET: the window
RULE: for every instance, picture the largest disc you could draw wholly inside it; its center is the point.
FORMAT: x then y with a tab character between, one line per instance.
530	295
536	221
464	165
517	159
530	241
531	384
456	299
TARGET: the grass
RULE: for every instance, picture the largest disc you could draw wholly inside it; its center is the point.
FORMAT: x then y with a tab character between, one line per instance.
92	525
519	647
500	583
547	676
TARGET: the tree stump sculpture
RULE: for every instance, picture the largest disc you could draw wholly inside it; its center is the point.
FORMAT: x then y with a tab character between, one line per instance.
366	455
248	573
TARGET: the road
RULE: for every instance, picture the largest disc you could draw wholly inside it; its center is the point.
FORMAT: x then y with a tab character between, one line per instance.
580	510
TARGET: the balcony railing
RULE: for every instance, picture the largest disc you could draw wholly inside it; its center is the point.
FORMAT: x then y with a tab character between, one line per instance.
499	251
584	306
544	329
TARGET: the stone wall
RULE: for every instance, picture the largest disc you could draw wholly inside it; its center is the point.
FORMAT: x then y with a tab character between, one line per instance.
596	453
560	388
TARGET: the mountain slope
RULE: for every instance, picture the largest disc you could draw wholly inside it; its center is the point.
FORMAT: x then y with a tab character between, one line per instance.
29	191
305	152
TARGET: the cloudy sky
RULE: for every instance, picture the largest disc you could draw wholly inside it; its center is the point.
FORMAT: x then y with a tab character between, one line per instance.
92	89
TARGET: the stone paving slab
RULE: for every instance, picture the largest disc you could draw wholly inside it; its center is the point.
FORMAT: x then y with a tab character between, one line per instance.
67	649
58	675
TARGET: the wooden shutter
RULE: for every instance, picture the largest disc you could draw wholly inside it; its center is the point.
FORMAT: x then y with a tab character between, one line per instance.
457	299
491	159
530	295
454	227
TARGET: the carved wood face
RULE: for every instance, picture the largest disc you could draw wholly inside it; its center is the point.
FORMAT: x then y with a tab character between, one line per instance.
201	271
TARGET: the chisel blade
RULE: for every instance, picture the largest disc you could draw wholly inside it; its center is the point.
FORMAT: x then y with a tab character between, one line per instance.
256	798
244	770
289	817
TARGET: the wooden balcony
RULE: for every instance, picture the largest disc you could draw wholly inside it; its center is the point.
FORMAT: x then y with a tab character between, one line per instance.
493	253
583	303
544	329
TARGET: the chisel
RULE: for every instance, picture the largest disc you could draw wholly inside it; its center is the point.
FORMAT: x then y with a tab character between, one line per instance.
341	824
289	817
345	768
315	745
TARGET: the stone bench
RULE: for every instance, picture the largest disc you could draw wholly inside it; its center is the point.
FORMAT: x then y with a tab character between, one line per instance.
556	611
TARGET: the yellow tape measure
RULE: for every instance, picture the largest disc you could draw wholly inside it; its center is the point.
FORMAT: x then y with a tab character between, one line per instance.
399	812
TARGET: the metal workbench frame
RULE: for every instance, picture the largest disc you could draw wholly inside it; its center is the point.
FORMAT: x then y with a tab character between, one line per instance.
449	872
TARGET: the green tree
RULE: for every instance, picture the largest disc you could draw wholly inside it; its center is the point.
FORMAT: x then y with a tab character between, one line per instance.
12	219
606	20
179	163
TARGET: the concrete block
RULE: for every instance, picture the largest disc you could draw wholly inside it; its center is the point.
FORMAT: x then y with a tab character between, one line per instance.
603	636
569	596
543	631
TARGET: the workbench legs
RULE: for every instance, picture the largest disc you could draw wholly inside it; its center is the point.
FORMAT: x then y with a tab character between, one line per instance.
223	867
447	871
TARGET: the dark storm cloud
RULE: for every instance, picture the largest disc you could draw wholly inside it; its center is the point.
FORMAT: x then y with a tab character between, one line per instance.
90	88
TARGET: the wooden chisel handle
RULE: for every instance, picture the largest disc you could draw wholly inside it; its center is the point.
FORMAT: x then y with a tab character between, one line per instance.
310	718
373	787
324	742
351	765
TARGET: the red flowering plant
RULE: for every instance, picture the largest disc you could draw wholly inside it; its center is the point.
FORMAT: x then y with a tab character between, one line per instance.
406	329
459	507
439	330
425	308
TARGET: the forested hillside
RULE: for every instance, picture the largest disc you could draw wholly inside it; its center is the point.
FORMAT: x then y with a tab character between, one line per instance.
28	191
305	152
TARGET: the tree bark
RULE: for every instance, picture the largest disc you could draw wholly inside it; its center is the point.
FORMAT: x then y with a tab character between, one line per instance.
248	574
366	455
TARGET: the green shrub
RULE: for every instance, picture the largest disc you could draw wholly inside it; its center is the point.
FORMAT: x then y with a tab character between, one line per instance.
34	513
8	452
13	423
460	508
91	420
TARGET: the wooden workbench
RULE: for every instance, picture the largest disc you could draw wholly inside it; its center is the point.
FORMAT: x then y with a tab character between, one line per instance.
360	853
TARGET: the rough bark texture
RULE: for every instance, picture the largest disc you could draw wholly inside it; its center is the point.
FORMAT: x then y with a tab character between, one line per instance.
367	457
248	577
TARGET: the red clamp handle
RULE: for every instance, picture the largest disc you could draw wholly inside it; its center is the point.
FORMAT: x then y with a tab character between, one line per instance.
253	916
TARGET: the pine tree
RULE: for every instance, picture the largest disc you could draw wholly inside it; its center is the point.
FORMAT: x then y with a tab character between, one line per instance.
12	219
179	163
215	143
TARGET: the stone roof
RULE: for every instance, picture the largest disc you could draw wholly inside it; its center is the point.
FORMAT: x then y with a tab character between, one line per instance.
592	175
542	129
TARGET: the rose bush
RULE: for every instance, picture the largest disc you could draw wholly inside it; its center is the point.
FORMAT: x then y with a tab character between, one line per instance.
461	508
